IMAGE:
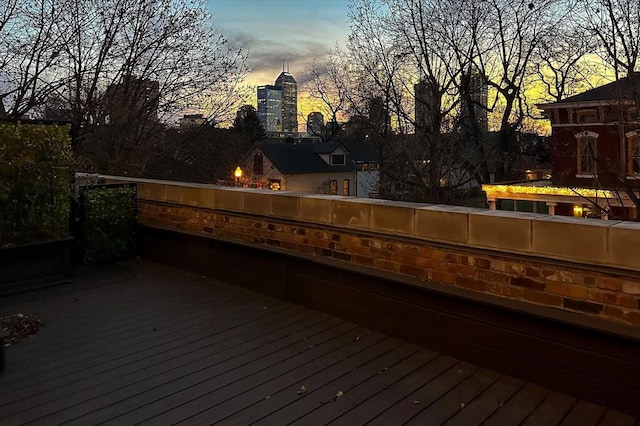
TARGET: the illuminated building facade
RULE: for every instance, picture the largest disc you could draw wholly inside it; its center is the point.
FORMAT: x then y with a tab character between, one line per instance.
270	107
595	155
289	87
278	106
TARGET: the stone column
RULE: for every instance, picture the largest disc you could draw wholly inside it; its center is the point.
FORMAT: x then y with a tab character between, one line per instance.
552	208
492	203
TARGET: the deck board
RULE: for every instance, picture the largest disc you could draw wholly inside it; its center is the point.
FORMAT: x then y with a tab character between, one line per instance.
395	393
142	342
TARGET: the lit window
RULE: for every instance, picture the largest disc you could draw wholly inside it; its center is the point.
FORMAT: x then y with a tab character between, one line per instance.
274	184
634	155
586	153
345	187
337	159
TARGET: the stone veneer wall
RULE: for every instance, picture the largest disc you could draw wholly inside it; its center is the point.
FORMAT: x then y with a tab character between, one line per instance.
590	267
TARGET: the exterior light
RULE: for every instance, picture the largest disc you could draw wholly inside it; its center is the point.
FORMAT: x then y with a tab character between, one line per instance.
577	210
238	174
497	190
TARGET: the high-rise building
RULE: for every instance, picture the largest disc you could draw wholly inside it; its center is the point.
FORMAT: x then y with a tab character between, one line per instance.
132	99
424	108
315	123
379	118
475	99
289	102
278	106
270	107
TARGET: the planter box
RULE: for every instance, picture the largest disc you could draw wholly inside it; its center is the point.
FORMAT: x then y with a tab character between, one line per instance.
36	265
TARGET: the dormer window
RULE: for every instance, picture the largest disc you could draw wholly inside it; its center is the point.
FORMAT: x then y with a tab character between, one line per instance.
587	116
337	160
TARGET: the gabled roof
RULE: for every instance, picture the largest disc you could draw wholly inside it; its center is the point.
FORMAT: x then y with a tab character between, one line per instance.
302	158
625	88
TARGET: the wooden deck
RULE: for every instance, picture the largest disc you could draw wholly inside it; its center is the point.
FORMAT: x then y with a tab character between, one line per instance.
138	342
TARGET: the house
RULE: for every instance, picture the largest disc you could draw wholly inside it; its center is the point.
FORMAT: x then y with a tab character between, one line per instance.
321	168
595	156
367	162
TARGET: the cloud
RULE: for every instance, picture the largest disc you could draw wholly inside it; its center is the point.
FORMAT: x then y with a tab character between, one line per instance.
266	54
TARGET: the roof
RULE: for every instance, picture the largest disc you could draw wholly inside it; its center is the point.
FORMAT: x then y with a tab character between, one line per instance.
361	150
625	88
302	158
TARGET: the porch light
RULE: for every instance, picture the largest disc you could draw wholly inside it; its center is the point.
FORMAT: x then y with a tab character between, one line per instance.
238	175
577	211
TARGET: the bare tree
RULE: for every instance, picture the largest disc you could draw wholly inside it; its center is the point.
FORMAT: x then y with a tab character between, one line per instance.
30	50
124	68
419	54
396	47
560	61
616	26
327	83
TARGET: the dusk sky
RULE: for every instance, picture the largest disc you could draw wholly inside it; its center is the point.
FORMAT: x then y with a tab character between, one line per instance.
298	30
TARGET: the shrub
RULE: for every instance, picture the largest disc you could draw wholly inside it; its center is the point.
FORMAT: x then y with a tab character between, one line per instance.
35	182
107	221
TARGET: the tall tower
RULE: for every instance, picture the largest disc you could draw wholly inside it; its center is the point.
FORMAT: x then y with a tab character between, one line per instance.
270	107
289	87
424	108
475	99
315	123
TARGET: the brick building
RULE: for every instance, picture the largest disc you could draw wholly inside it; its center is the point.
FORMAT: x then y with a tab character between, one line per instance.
595	154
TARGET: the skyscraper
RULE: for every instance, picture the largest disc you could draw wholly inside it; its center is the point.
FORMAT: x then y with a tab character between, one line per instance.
289	89
278	106
424	108
315	123
270	107
475	99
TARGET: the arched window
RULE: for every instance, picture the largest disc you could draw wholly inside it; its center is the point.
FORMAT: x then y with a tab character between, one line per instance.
586	153
258	164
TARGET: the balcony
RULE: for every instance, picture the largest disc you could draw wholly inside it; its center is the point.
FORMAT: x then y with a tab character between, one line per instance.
288	316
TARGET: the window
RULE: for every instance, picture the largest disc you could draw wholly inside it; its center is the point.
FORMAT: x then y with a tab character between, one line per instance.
258	164
274	184
345	187
586	153
587	116
337	159
634	154
333	187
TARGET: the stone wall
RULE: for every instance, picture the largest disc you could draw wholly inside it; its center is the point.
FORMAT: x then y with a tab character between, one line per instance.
588	267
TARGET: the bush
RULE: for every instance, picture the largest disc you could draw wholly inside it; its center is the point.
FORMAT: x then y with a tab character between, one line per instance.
35	182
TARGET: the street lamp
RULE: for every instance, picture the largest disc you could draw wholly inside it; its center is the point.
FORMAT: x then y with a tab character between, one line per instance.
238	174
